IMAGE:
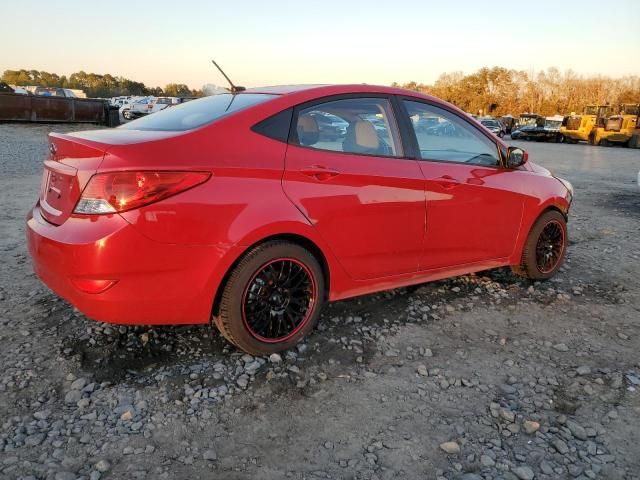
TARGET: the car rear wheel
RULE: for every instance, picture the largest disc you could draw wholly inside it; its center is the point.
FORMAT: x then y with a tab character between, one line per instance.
545	247
272	299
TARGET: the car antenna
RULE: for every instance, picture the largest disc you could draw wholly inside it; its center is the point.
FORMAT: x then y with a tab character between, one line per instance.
234	88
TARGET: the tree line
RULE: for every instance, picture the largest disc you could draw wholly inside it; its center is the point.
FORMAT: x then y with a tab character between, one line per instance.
94	85
499	91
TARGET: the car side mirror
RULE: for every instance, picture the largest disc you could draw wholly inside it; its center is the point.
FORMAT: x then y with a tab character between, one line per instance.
516	157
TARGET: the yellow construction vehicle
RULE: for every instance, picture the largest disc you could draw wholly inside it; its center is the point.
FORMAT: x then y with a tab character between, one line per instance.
635	142
617	129
579	127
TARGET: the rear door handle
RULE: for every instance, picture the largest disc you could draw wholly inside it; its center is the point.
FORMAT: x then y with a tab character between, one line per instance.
319	172
447	182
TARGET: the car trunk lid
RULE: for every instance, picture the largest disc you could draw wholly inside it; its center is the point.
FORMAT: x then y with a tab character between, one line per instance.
69	165
73	159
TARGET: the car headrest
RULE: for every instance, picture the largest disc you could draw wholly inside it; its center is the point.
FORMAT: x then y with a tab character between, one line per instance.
361	138
366	135
308	130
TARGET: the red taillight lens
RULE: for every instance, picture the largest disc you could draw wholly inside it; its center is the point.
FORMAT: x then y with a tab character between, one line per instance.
121	191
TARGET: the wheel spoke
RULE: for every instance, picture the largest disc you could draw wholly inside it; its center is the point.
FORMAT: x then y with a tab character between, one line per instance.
278	300
550	247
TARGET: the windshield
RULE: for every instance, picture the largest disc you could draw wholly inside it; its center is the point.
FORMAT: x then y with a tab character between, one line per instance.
591	110
526	121
197	112
489	123
630	109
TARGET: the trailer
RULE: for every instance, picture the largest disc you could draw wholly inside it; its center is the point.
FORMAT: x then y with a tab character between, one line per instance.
35	108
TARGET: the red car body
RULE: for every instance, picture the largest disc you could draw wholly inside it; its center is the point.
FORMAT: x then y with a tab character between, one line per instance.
374	224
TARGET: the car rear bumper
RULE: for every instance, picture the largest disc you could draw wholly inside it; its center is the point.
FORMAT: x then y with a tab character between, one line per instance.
155	283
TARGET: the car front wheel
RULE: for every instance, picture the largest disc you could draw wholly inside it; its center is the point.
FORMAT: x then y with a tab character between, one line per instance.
545	247
272	299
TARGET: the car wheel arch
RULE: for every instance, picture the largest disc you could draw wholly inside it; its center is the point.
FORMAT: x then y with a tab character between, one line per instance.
294	238
554	204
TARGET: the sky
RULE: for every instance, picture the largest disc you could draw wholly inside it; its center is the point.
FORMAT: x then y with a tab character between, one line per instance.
305	41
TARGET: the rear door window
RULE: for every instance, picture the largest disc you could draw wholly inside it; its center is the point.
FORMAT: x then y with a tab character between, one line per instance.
363	126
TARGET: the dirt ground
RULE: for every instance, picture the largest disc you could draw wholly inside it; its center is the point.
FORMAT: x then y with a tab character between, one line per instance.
484	376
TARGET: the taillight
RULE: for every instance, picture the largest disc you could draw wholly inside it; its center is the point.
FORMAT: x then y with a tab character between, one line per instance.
121	191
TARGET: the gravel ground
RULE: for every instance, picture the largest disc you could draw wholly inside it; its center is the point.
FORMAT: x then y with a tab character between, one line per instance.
484	376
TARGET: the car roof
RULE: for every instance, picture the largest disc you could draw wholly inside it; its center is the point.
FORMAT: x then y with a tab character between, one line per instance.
321	90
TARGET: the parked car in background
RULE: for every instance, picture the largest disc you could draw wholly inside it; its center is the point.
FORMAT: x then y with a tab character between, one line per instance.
148	105
493	126
136	108
236	209
6	88
54	92
21	90
531	126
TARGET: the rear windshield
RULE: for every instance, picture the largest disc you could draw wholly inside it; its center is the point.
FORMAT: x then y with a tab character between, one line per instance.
197	113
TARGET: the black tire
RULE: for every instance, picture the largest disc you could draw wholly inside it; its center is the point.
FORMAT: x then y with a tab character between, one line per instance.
570	141
535	262
247	281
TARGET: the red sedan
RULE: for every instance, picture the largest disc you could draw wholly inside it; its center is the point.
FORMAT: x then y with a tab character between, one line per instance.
255	208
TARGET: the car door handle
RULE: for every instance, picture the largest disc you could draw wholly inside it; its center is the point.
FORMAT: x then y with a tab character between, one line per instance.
319	172
447	182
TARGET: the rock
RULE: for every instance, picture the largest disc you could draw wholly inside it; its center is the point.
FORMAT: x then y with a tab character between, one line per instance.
65	476
126	415
507	415
560	446
507	389
72	397
242	381
561	347
523	473
530	426
422	370
210	455
34	440
487	461
577	430
470	476
103	466
275	358
42	415
546	467
583	370
79	384
451	448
